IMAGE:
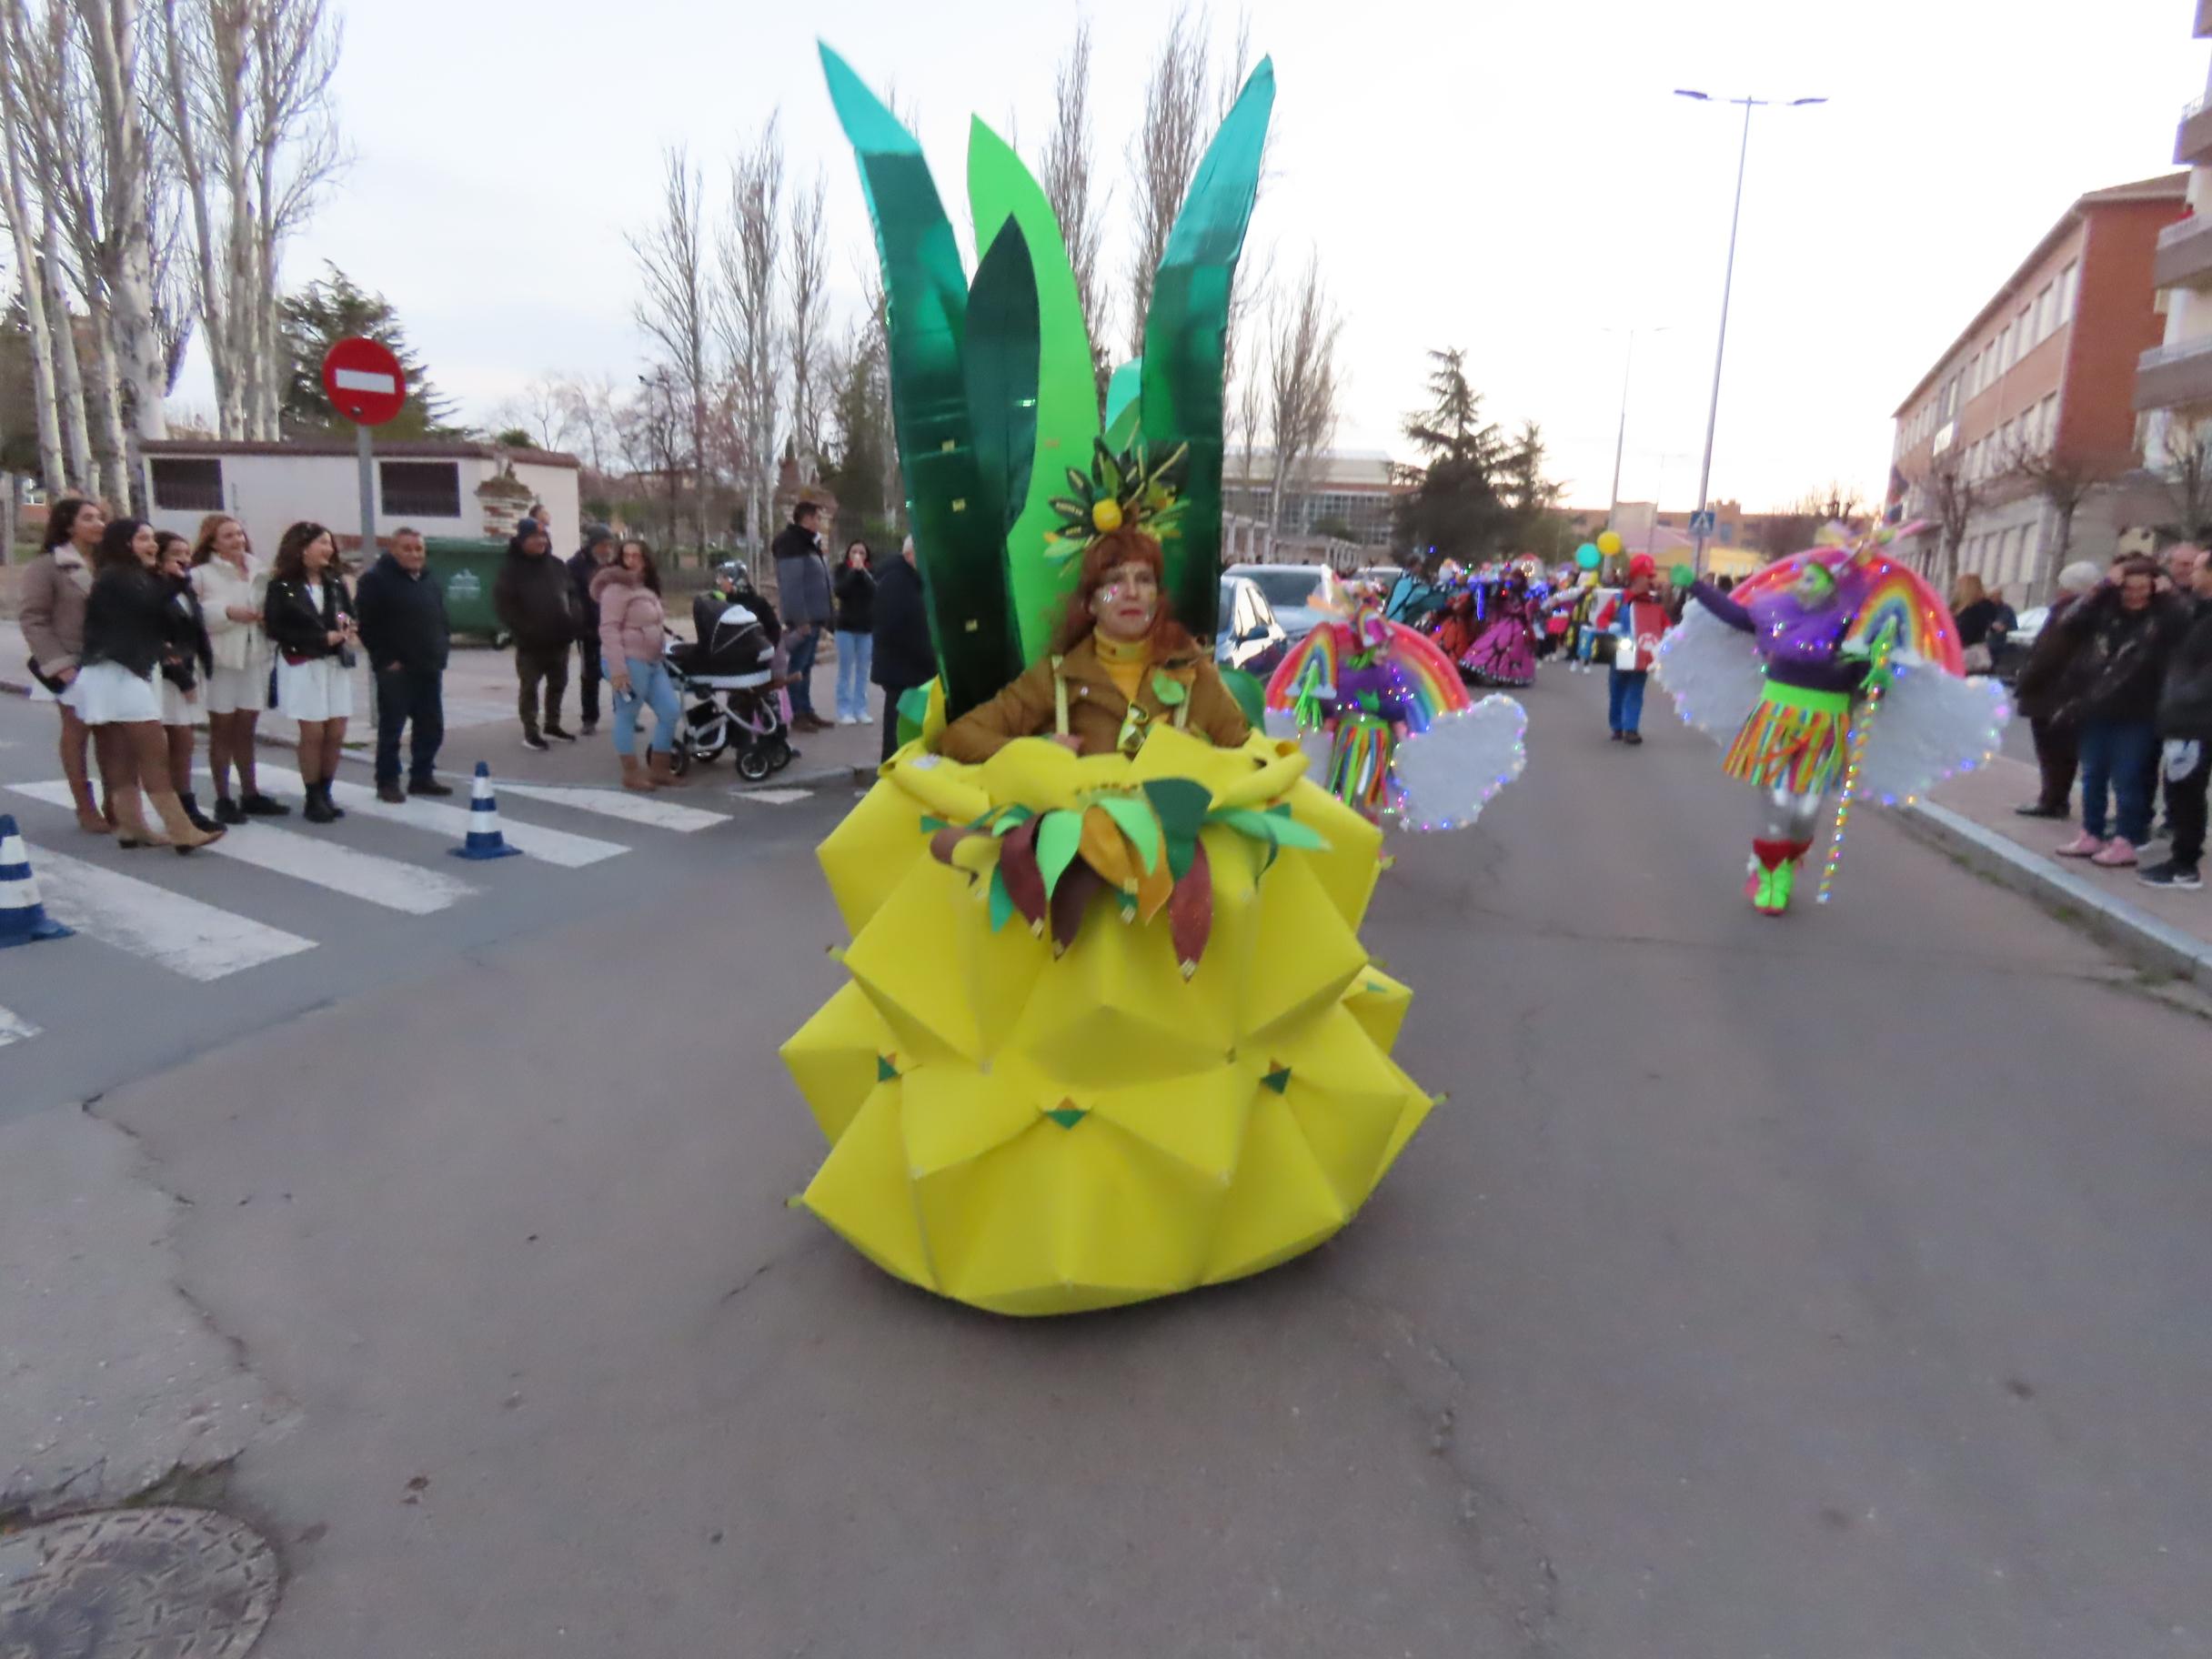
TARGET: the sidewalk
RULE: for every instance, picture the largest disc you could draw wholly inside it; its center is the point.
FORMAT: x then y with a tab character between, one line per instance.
1972	817
481	724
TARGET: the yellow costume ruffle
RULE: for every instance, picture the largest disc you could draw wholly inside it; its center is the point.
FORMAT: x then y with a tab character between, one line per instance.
1033	1134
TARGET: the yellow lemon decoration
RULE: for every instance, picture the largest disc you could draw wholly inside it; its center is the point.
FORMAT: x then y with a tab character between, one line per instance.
1178	1073
1106	516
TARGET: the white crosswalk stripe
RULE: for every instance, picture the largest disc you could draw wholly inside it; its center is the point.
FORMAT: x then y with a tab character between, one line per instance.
554	846
197	941
774	798
408	888
654	811
14	1028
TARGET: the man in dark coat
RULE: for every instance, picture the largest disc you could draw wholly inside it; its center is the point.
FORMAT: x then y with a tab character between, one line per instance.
905	657
536	602
400	611
597	552
802	585
2039	694
2185	729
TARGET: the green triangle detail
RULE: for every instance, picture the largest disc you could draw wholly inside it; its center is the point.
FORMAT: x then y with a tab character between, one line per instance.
886	1072
1280	1081
1067	1117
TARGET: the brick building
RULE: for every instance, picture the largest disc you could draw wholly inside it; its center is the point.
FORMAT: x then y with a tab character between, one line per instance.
2045	368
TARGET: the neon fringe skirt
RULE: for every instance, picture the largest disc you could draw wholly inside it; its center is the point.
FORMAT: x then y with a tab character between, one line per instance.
1358	765
1795	740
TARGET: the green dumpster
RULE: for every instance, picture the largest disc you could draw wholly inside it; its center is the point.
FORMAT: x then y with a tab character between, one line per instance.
465	570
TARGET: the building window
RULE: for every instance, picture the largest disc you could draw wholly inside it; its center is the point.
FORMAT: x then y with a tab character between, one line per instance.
2069	286
187	485
420	489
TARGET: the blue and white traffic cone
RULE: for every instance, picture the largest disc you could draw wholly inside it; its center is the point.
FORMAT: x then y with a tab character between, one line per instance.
23	918
484	841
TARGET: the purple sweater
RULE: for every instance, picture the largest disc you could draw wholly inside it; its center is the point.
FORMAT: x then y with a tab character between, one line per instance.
1796	646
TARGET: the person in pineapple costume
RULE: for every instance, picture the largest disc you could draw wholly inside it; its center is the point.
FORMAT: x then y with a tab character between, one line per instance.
1110	1032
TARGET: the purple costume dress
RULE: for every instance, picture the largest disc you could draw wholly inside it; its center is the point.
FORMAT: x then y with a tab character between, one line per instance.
1505	652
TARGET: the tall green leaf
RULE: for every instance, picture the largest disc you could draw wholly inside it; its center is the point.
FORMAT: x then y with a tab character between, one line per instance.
999	369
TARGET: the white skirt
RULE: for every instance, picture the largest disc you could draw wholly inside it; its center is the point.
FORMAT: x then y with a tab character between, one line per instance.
108	694
315	690
237	690
178	707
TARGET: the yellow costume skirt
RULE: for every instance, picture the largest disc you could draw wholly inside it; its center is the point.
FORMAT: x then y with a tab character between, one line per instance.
1032	1129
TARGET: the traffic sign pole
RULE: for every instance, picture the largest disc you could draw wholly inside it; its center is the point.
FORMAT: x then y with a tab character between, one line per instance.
367	384
364	449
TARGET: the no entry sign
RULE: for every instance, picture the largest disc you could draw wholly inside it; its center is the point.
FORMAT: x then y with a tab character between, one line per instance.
364	381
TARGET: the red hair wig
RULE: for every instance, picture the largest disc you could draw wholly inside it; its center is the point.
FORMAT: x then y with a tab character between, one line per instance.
1100	559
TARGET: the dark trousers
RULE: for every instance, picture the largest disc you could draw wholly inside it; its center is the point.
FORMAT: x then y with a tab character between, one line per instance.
2121	755
801	670
892	694
2057	757
2188	772
1624	699
405	696
588	676
533	667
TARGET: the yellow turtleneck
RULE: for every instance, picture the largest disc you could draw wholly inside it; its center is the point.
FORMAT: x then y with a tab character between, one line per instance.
1124	663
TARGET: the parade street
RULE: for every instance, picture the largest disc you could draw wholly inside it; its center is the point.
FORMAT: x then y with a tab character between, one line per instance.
1817	1288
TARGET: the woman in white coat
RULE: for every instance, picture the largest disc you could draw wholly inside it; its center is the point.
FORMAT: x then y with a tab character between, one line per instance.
233	585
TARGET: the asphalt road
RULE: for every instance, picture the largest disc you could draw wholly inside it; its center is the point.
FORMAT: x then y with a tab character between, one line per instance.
1815	1289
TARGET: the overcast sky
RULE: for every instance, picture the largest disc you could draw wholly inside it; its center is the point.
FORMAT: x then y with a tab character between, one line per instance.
1513	180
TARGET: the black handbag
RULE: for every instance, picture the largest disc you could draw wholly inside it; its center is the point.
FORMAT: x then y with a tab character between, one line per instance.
47	680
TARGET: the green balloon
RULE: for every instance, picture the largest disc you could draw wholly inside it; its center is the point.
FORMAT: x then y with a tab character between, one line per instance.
1588	556
1683	576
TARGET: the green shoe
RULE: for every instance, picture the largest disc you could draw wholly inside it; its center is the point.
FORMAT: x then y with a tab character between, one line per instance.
1783	883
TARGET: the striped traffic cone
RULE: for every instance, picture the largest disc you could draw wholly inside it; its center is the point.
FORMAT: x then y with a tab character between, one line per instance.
23	918
484	841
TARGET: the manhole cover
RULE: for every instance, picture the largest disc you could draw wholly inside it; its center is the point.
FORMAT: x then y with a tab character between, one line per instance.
136	1584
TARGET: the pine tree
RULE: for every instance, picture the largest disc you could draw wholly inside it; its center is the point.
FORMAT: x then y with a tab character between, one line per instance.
1459	506
328	311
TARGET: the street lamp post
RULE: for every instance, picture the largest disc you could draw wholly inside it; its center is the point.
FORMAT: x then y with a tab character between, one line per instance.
1712	413
1620	442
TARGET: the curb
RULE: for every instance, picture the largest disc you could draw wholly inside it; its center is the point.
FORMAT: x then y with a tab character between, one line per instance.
818	777
2134	932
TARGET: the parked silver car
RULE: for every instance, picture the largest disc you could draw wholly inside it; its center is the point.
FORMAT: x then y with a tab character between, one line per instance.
1289	590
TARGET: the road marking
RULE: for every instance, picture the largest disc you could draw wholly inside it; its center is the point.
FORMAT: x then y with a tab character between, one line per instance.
774	798
627	805
554	846
14	1028
182	934
307	857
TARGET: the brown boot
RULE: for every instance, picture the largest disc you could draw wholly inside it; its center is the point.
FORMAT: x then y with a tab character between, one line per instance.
184	835
131	828
633	774
663	768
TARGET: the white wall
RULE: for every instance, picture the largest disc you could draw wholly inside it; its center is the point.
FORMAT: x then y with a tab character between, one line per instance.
559	488
268	493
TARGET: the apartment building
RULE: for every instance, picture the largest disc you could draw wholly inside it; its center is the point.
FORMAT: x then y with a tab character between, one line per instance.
2045	368
2174	377
1346	495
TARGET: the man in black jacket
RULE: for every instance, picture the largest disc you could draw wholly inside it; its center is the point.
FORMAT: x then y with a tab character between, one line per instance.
400	611
2185	726
802	585
904	656
536	602
596	553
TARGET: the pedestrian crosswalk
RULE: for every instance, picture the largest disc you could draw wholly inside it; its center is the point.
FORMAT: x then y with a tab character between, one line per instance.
151	913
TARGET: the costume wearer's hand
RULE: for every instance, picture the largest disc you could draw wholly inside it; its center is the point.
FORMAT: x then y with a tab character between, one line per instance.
1069	741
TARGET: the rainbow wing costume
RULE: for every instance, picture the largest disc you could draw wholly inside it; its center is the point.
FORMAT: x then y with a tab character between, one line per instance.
1935	722
1389	725
1109	1031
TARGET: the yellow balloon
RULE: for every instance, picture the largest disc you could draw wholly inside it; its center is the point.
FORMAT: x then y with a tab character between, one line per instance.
1610	544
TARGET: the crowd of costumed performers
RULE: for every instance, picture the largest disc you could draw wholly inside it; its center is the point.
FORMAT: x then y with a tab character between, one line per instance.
1110	1032
1836	666
1391	729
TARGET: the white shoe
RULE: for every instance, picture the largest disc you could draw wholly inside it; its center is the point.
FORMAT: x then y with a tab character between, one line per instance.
847	720
868	719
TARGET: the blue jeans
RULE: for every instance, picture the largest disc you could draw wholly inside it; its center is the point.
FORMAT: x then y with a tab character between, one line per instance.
1624	699
2121	755
802	671
855	653
650	686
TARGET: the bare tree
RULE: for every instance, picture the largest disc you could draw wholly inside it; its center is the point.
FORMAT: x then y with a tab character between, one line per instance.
1303	382
1066	176
1951	497
24	230
2187	478
675	310
112	37
591	415
2063	482
246	109
541	408
806	275
1165	154
749	253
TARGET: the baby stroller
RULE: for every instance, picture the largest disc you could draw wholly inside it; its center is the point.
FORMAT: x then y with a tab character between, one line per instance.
725	686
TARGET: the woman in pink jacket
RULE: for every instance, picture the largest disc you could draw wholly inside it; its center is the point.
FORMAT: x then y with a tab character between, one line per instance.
631	627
